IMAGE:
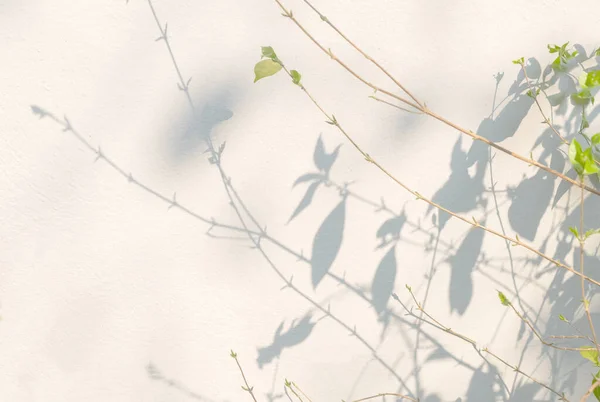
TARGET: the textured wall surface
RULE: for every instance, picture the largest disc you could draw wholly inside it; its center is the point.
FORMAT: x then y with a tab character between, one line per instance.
109	291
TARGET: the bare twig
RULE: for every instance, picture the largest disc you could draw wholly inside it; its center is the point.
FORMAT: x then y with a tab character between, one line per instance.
533	94
247	387
437	324
331	119
385	394
581	239
424	107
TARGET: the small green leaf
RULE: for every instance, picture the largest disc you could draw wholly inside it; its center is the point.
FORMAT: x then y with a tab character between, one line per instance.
574	231
562	318
519	61
268	52
553	48
582	97
584	121
596	139
591	354
233	354
590	168
557	65
593	79
265	68
597	53
592	232
503	299
575	156
295	77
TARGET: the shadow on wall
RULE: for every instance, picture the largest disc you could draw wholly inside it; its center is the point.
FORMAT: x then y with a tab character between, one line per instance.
210	110
465	191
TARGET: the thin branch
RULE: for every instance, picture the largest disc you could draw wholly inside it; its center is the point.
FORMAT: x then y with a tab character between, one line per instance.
535	98
385	394
586	304
437	324
539	336
428	111
324	18
331	119
590	391
247	387
392	105
302	392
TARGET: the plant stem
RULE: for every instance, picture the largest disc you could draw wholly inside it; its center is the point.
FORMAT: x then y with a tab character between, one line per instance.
333	121
424	109
535	98
586	304
248	387
435	323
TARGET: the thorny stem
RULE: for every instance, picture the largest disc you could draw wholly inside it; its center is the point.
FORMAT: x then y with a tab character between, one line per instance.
516	241
586	304
248	388
535	98
435	323
424	109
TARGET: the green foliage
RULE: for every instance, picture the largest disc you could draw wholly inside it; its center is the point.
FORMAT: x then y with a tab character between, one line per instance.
295	77
596	391
591	354
503	299
592	79
269	53
520	61
265	68
564	56
562	318
596	139
583	161
574	231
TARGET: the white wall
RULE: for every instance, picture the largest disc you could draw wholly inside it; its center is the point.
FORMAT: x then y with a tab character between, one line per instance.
99	278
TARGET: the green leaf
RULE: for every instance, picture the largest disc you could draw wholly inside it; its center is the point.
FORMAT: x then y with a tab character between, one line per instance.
562	318
596	139
503	299
575	156
597	389
265	68
553	48
593	79
590	167
591	354
557	65
268	52
582	97
519	61
574	231
295	77
597	53
592	232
